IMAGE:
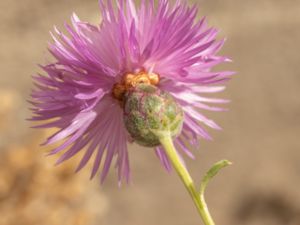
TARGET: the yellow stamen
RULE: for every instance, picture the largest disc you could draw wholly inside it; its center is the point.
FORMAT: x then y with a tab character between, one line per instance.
131	80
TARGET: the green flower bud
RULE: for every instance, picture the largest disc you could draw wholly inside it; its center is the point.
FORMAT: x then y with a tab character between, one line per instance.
150	112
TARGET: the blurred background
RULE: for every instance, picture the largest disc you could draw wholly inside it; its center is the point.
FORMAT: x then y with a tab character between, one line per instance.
261	130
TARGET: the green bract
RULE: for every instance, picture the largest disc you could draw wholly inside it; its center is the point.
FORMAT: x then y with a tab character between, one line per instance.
149	112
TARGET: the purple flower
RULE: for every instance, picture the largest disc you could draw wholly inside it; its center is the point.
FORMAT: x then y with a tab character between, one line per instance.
81	91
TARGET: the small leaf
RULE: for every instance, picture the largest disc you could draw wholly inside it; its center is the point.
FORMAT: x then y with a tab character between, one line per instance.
211	173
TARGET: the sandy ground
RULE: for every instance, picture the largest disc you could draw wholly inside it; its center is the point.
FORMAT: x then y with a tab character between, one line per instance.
261	130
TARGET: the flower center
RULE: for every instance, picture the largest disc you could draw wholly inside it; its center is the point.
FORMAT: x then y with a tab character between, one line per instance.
131	80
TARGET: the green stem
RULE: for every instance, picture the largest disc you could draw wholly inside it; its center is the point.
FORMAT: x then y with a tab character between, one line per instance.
184	175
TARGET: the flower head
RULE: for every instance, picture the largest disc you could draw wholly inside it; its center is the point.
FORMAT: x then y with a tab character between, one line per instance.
83	90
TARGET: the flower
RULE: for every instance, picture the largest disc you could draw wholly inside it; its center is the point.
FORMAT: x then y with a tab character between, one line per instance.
81	92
